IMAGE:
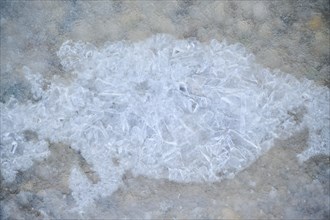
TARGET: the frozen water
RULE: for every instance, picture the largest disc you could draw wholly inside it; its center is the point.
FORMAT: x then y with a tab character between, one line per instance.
162	108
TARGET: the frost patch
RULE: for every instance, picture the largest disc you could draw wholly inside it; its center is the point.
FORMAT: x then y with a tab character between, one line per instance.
168	108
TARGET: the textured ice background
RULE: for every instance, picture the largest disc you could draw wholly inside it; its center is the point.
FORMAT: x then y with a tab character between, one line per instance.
162	108
275	157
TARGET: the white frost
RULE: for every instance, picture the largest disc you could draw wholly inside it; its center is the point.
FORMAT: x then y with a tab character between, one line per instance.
168	108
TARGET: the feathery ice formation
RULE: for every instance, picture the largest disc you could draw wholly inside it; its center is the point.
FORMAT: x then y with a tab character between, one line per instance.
162	108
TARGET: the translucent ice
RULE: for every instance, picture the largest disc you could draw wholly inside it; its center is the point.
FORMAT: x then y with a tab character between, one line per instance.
165	108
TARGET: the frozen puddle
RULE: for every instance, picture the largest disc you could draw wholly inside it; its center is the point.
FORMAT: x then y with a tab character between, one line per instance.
161	108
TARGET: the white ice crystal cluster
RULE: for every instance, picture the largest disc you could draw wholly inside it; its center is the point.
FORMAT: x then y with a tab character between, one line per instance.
165	108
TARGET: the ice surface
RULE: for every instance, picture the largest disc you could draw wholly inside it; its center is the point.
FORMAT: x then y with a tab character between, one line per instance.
162	108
